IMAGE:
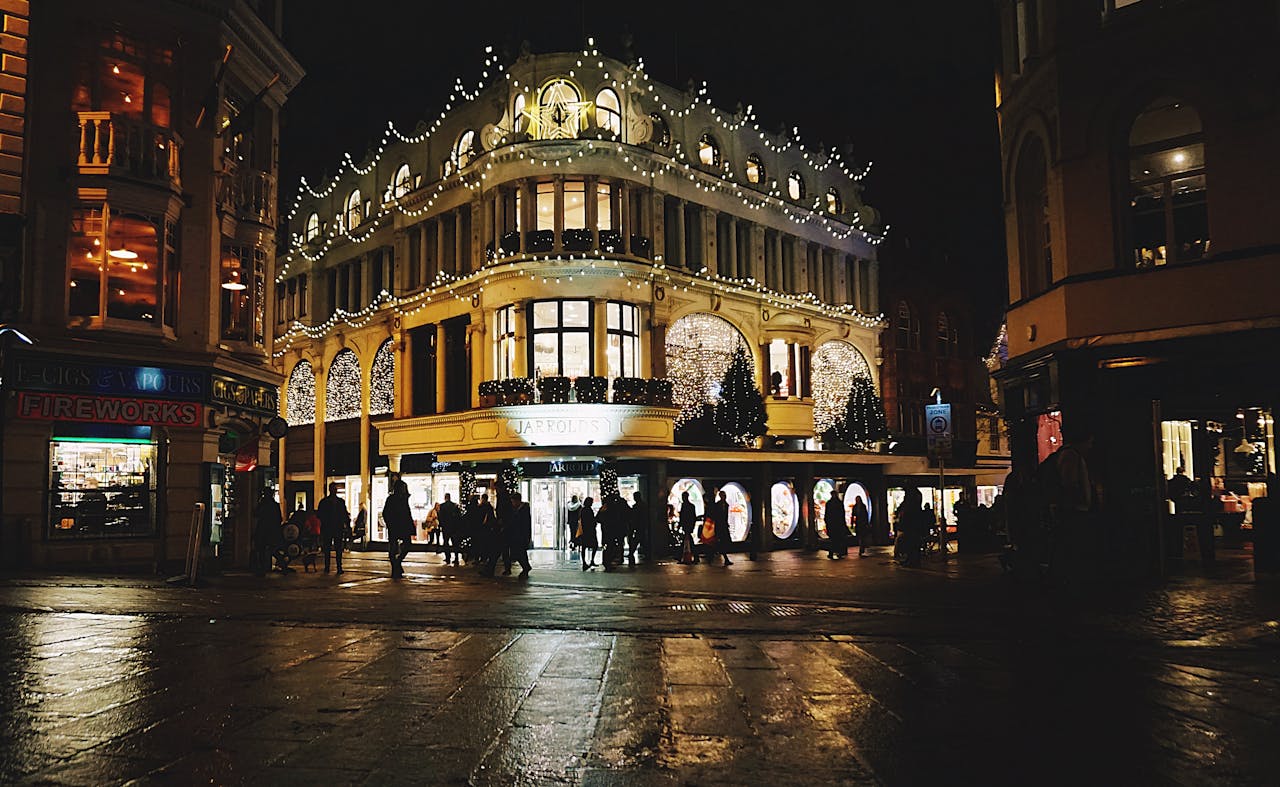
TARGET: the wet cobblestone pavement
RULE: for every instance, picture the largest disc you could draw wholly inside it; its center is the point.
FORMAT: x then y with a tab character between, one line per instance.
787	670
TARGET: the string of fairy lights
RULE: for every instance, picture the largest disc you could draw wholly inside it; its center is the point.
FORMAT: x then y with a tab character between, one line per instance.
701	346
462	287
723	179
382	381
835	365
300	396
342	387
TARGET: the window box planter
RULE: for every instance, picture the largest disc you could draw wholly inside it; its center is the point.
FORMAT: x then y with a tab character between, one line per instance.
539	240
641	247
510	244
611	241
660	392
488	391
554	390
630	390
577	240
591	390
516	390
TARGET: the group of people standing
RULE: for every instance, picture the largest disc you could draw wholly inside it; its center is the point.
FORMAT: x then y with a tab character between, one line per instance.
617	525
481	535
714	539
326	528
838	527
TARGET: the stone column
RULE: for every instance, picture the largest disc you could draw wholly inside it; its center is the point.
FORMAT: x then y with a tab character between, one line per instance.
732	256
439	242
599	337
623	222
520	365
477	354
757	253
644	315
557	245
873	287
591	210
440	369
801	267
403	406
399	280
676	255
710	246
656	226
658	349
366	392
318	433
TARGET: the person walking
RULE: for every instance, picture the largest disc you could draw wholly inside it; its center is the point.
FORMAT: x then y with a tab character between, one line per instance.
450	517
572	516
266	531
587	539
357	531
688	520
518	527
1075	538
490	536
636	525
333	525
399	519
837	527
719	512
861	524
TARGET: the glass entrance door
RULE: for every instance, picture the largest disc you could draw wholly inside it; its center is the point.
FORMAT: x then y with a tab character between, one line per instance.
549	507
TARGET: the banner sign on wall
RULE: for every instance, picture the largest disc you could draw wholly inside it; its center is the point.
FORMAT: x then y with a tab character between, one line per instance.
108	409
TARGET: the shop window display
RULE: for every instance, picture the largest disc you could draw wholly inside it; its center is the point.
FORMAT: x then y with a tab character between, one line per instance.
739	510
101	488
786	509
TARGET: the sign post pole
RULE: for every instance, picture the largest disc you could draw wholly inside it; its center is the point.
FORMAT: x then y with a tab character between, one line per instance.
937	417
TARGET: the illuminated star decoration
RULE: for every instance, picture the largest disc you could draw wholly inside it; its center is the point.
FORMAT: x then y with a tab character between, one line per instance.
559	114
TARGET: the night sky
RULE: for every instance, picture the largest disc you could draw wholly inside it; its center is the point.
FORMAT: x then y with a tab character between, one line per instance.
908	84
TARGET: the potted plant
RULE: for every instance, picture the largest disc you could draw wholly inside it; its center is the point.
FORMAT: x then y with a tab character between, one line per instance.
577	240
516	390
554	389
591	390
660	392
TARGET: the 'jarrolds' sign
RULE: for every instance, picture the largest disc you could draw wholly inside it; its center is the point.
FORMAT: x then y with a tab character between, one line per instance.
108	409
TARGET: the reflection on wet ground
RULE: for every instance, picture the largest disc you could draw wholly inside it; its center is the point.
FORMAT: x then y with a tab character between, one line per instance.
170	686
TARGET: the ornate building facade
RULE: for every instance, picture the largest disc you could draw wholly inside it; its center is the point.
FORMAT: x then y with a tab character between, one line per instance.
136	374
1144	256
550	280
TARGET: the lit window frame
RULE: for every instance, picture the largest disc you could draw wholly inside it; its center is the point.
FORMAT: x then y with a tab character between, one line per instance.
628	339
709	143
609	112
756	172
560	329
795	186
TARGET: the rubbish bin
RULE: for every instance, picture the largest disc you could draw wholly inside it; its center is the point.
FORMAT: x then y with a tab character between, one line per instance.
1266	539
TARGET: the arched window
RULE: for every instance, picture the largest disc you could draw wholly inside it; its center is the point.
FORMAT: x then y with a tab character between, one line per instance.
833	367
342	387
709	151
661	131
755	169
944	336
402	184
464	150
313	227
1168	207
355	210
795	186
1031	185
834	203
561	113
382	381
908	328
609	111
519	118
701	346
300	396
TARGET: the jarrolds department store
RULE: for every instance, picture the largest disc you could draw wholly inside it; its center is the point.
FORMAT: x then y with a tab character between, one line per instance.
105	459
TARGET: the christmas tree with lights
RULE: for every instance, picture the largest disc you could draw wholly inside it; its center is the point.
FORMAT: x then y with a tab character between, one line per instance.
740	415
863	422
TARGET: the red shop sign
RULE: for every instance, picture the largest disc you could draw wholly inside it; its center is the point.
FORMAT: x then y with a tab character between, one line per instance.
108	409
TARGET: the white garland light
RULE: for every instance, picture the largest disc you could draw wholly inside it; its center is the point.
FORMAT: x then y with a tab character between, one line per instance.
834	366
300	399
342	387
382	381
700	347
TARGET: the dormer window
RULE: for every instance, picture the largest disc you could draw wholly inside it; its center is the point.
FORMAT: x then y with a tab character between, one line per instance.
834	203
519	119
755	169
661	131
402	184
464	150
795	186
609	111
355	210
313	227
709	151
